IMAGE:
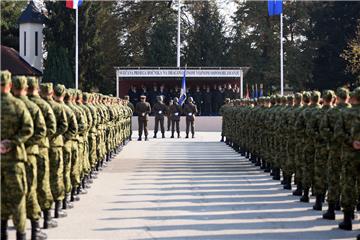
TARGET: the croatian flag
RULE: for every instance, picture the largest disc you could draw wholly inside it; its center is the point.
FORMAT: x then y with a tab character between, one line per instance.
275	7
182	97
73	4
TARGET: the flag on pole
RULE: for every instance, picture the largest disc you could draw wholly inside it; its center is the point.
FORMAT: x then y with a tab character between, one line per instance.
73	4
182	97
261	90
274	7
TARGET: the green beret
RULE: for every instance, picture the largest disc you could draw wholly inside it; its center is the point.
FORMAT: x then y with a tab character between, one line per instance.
46	88
342	93
315	95
32	82
59	90
356	93
328	95
5	77
298	96
19	82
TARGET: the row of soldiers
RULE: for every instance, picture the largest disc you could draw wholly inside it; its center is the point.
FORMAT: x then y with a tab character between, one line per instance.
54	141
313	138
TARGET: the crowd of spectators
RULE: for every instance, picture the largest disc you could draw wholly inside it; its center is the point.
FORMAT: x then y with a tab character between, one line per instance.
208	99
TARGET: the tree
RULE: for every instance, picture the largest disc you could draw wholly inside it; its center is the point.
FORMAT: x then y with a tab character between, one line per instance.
10	13
57	68
206	42
352	55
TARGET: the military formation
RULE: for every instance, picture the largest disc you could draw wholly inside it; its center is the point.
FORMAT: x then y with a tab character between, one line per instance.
308	137
54	142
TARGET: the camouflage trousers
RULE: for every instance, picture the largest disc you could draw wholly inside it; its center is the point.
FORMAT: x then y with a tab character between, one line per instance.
81	149
308	164
298	159
320	164
44	194
87	166
333	173
92	149
289	165
57	173
33	210
349	178
67	165
75	165
13	193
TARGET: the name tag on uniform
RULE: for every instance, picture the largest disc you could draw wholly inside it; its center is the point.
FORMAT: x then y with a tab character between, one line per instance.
143	114
160	112
176	114
189	114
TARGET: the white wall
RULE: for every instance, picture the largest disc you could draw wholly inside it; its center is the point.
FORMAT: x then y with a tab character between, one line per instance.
30	29
204	124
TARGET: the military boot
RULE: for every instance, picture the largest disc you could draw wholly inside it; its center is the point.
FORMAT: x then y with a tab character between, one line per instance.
163	135
346	224
36	233
258	162
66	204
178	135
172	135
287	184
305	196
318	203
48	221
59	213
155	135
139	139
276	174
330	213
20	236
146	138
222	139
4	225
267	168
358	205
263	164
73	196
187	135
299	190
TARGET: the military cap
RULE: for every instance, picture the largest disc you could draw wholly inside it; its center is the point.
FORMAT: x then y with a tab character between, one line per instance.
5	77
19	82
142	96
306	96
159	98
190	99
342	93
32	82
46	88
59	90
298	96
315	95
356	93
126	97
328	95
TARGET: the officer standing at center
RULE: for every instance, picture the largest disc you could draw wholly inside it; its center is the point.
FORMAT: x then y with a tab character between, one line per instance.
143	110
159	110
190	110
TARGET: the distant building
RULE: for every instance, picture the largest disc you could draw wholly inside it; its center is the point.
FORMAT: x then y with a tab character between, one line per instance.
13	62
31	25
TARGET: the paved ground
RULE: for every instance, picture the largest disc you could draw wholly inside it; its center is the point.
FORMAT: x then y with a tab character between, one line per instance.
179	189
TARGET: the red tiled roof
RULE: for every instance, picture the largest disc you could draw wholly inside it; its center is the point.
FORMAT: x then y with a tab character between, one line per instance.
11	60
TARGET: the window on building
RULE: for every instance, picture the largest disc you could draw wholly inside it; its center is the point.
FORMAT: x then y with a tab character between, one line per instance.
24	43
36	43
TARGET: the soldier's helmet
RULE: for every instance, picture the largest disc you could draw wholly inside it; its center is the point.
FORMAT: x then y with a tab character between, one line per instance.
315	96
46	88
59	90
298	96
306	96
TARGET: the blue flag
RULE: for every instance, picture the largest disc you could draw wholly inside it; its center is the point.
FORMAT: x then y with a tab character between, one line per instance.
182	97
274	7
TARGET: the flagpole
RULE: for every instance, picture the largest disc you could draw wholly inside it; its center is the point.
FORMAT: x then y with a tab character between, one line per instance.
77	49
281	57
178	35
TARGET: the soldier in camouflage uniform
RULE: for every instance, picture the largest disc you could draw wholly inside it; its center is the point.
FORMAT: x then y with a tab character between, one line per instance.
44	194
349	158
221	112
56	149
321	151
326	128
13	158
33	210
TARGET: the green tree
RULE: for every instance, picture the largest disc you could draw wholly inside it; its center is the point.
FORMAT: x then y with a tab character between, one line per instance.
57	68
10	13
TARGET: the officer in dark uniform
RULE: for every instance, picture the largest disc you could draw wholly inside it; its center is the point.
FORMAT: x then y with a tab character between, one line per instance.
190	110
159	110
143	110
175	113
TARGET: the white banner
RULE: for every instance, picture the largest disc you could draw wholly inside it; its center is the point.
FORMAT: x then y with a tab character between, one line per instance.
206	73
